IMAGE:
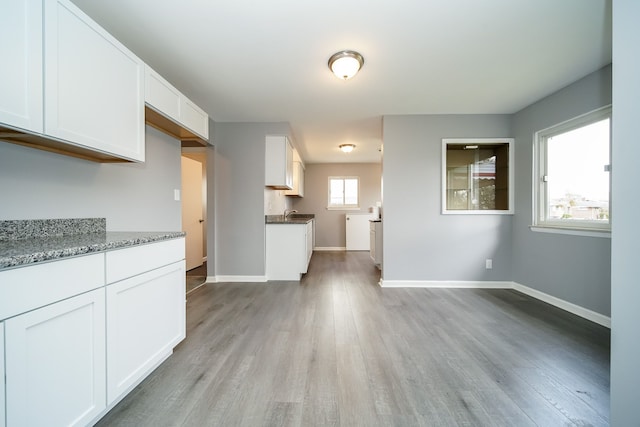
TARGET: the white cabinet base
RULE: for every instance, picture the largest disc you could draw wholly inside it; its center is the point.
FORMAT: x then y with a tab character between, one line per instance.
145	320
2	409
288	250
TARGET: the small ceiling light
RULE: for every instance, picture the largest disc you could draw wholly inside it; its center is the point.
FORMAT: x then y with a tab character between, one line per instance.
345	64
347	148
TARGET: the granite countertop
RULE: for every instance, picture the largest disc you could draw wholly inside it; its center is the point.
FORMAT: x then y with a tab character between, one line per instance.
294	218
23	243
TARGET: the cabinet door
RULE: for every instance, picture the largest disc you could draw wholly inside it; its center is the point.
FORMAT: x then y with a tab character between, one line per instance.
278	163
372	243
194	118
298	181
2	411
55	363
161	95
145	320
94	92
309	244
21	72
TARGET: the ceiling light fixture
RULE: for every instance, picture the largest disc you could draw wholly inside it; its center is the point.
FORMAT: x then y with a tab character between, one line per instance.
345	64
347	148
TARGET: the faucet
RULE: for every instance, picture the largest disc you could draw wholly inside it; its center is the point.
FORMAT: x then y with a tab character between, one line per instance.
288	212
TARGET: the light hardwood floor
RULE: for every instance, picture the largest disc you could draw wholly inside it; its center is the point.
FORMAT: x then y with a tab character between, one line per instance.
336	349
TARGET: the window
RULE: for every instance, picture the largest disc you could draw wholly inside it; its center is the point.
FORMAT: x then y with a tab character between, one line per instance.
477	176
571	174
343	192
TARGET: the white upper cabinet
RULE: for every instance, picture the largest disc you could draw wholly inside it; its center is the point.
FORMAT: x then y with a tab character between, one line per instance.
93	86
21	72
298	180
194	118
171	111
161	95
278	163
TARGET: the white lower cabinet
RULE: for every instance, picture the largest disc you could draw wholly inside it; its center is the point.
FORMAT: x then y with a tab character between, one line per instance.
55	363
145	320
288	250
2	409
77	334
310	238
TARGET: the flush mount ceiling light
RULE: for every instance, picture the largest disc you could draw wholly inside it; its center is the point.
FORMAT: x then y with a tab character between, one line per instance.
347	148
345	64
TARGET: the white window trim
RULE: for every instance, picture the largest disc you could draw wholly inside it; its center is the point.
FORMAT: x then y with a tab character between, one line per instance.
478	141
331	207
576	228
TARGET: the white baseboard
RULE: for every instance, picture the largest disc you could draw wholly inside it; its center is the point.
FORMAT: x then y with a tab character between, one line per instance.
557	302
236	279
444	284
585	313
329	248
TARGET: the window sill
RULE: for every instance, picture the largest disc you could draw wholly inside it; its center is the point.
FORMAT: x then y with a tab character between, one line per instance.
477	212
343	208
571	231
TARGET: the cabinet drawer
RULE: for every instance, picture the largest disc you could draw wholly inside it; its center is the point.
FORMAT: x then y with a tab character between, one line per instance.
27	288
129	262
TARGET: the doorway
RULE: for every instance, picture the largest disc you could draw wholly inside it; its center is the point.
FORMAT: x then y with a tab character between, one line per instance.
194	214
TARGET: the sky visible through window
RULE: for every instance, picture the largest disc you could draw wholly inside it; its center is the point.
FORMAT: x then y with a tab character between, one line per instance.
576	163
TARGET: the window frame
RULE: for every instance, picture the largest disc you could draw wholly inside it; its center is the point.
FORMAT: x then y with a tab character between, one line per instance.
511	180
342	207
540	220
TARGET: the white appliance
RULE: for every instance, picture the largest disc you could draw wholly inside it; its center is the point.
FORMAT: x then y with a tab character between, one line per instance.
357	229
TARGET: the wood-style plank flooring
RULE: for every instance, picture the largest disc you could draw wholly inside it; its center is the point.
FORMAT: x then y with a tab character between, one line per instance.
337	350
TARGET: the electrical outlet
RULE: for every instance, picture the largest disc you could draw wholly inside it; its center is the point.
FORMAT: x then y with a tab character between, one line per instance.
488	264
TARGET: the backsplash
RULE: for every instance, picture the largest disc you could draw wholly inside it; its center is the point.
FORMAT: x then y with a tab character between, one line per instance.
30	228
275	202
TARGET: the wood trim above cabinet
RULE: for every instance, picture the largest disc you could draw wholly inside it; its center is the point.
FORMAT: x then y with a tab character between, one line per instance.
53	145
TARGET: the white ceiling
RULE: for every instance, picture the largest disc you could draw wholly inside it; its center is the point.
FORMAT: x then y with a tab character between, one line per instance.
266	61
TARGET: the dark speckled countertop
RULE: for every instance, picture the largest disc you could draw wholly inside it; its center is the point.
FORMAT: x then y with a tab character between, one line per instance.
294	218
23	242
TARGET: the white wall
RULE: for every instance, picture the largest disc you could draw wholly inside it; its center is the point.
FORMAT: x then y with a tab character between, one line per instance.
573	268
419	243
36	184
625	268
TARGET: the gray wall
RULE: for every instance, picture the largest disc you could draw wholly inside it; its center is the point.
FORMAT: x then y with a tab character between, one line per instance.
330	224
36	184
239	197
420	243
625	268
573	268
